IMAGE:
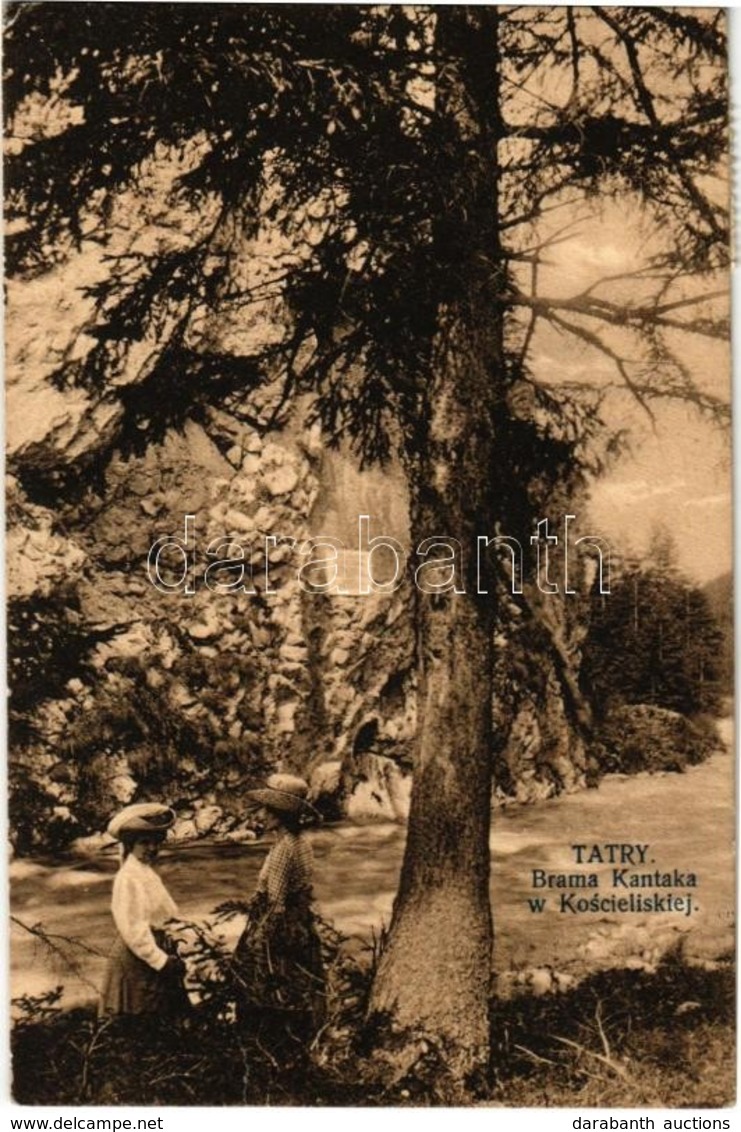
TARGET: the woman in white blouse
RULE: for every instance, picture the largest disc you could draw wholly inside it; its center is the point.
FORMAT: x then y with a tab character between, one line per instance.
144	975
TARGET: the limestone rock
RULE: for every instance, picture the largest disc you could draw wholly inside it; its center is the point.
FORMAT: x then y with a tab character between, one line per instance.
206	818
378	793
240	835
92	845
184	830
325	788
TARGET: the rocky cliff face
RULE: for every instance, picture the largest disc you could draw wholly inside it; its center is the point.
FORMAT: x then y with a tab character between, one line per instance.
191	695
236	662
194	694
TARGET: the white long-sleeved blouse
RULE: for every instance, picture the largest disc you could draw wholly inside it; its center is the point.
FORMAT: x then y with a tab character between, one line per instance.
139	903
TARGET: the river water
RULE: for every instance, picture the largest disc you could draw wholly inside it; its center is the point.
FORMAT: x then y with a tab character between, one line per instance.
686	821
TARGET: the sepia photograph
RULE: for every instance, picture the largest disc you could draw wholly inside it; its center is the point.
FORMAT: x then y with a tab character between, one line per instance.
369	592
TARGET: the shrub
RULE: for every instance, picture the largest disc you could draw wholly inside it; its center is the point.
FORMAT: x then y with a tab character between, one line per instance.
643	737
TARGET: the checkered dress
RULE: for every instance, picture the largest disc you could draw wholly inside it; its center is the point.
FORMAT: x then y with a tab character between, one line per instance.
278	962
287	870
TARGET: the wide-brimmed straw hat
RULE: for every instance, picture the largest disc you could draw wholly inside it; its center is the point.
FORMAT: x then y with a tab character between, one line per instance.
142	819
286	794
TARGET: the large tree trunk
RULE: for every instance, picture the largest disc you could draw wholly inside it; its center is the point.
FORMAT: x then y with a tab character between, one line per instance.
434	974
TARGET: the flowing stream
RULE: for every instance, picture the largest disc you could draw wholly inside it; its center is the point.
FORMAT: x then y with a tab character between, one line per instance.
686	821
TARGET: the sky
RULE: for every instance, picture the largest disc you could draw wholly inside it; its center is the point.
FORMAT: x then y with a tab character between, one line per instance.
677	472
678	477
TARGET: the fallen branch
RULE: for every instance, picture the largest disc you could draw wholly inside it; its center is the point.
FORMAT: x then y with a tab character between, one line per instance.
621	1072
534	1056
47	939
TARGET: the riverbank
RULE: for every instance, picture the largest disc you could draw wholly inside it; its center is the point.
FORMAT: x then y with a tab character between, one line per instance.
687	820
621	1038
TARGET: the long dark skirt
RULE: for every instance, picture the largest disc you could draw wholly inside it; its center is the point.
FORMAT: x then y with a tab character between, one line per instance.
133	987
278	970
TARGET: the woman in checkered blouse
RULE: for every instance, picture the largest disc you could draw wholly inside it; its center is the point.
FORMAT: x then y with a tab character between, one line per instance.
278	962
